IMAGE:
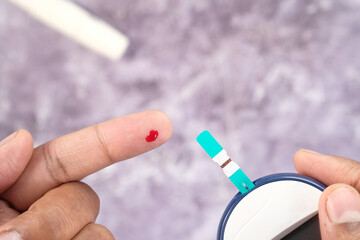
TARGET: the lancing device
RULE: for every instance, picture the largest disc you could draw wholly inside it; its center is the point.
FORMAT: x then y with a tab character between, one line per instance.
68	18
278	206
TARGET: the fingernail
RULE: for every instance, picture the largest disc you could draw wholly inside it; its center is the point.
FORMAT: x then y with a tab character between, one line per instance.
12	235
343	206
311	152
8	138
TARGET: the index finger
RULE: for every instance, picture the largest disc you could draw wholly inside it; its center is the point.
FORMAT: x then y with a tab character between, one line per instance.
76	155
328	169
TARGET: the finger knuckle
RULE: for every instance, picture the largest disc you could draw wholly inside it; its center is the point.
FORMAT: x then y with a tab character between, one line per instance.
54	165
102	143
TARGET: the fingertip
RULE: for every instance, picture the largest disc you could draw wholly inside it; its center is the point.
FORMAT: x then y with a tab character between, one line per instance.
297	160
339	212
24	137
327	192
304	159
165	122
300	160
102	232
20	146
26	134
339	189
134	134
23	145
94	231
14	157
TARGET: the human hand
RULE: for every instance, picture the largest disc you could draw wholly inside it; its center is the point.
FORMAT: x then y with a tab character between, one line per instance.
40	193
339	205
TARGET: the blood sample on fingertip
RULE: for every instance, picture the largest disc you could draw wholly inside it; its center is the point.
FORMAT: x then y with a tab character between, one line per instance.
153	134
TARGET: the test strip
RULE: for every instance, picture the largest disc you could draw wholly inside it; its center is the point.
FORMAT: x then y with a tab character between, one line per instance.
75	22
220	156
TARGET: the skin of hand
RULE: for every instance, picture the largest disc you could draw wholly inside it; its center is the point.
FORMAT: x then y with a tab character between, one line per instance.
40	193
339	205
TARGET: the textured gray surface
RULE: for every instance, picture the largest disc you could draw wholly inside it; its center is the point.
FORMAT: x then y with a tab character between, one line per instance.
266	77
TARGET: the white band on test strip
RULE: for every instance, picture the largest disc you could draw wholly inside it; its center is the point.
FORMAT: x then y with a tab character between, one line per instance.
230	168
221	157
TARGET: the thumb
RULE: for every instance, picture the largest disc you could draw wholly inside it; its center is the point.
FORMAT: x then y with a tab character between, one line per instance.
339	213
15	153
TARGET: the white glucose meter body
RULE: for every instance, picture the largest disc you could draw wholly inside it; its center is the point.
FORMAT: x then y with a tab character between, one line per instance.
280	206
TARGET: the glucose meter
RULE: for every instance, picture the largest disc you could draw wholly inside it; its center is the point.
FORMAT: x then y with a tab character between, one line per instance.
278	206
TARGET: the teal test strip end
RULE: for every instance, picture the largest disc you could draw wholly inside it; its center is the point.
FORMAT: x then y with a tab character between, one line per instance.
209	144
240	180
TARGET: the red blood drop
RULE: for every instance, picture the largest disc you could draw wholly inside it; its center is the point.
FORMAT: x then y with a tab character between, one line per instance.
153	134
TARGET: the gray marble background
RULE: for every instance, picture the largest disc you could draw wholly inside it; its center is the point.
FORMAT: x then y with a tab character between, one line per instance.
265	77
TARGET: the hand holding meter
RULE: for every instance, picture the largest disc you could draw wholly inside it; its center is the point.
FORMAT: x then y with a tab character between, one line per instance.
279	206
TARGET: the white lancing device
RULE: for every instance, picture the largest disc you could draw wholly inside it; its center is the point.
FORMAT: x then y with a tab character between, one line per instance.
76	23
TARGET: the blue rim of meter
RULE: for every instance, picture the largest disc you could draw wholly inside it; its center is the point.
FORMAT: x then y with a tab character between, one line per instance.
258	183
